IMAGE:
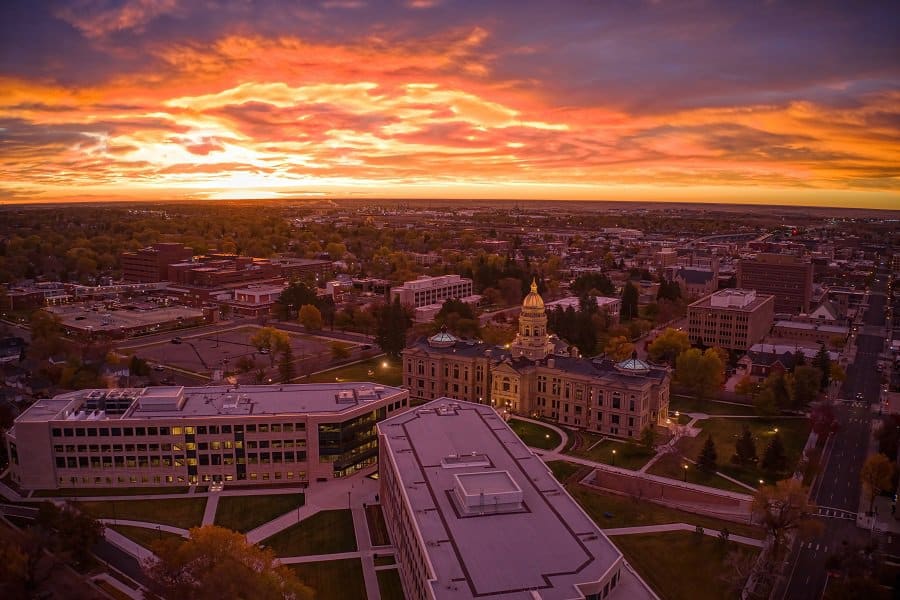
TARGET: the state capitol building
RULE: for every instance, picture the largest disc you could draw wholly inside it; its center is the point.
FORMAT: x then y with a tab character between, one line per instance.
538	376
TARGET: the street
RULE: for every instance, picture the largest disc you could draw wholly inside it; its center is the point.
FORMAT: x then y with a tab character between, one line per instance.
837	488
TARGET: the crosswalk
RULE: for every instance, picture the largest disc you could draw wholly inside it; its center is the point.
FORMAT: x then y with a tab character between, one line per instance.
835	513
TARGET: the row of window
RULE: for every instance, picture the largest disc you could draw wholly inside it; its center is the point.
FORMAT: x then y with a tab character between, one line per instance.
110	462
160	479
176	430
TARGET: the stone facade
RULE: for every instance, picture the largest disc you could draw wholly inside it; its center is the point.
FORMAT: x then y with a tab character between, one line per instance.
536	376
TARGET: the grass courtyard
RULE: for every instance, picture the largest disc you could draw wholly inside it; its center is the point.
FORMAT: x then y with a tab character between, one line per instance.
682	565
534	435
625	511
373	370
562	469
326	532
333	579
143	535
672	466
710	407
627	454
178	512
794	433
389	584
243	513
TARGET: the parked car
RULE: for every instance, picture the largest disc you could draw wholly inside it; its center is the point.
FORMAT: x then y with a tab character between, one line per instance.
263	350
176	340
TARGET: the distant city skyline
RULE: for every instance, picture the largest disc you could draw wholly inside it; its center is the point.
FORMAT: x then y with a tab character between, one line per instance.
727	102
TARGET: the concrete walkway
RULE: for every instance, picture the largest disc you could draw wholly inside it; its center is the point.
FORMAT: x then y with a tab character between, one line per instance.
146	525
562	433
209	513
127	545
364	547
741	539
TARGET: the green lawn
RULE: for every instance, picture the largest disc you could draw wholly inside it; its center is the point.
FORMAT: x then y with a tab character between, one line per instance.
389	584
710	407
333	579
534	435
91	492
178	512
672	466
725	432
627	455
629	512
680	565
378	532
562	469
326	532
389	375
243	513
144	536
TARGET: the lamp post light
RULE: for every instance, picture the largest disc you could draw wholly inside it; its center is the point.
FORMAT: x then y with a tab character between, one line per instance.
685	472
761	483
614	457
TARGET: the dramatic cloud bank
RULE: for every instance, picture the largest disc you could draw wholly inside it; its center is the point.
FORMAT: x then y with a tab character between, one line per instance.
783	102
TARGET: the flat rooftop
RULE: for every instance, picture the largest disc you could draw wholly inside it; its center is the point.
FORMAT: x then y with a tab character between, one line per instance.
176	402
535	537
732	299
99	318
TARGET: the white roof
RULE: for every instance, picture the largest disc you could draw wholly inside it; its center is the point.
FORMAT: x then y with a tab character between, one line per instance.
496	549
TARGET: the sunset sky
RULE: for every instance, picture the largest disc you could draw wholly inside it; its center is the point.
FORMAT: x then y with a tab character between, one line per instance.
784	102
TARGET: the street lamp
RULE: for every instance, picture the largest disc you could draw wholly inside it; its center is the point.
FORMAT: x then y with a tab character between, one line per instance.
614	458
776	430
384	364
760	482
685	472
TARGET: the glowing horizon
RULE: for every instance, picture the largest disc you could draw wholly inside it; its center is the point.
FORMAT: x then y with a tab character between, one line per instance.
158	99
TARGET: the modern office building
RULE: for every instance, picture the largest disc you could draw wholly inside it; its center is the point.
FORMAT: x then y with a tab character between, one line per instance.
473	513
150	264
163	436
789	278
537	375
432	290
732	319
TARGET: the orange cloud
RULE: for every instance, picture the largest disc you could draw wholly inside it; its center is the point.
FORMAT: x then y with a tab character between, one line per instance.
255	116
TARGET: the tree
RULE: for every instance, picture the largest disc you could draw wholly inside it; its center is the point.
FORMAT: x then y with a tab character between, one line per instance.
701	372
744	448
774	459
310	317
822	419
803	385
765	403
218	563
286	367
272	339
783	508
618	348
837	372
877	475
823	362
706	461
459	318
391	324
76	532
648	438
747	387
668	345
629	309
339	350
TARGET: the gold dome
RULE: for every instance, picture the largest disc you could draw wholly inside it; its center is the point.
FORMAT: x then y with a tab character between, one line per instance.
533	299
